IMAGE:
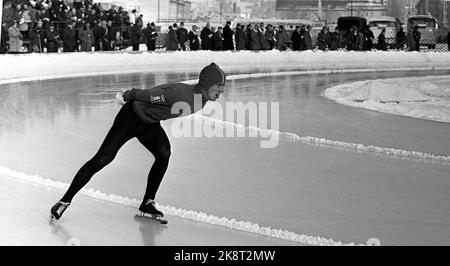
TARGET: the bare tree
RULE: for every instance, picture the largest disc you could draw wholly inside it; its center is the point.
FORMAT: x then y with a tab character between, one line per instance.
396	8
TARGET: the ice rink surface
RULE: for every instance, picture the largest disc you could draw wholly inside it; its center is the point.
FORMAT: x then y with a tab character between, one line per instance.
51	128
96	222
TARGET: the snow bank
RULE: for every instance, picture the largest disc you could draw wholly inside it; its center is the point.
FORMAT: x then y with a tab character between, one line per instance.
56	65
428	88
182	213
385	92
424	97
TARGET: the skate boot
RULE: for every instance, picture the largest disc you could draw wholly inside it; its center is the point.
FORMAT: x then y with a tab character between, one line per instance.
57	210
155	215
149	207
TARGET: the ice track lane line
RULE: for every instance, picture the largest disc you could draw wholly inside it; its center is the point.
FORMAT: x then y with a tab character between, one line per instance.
385	152
245	226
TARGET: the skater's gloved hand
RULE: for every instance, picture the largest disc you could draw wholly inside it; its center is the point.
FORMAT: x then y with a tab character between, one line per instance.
119	98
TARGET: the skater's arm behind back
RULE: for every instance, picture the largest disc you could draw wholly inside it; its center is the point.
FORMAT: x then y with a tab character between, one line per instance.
156	95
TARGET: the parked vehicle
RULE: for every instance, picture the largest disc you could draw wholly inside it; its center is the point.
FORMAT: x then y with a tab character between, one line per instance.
391	24
345	23
428	27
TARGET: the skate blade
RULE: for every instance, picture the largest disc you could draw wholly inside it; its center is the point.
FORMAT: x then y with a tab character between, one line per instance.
155	219
52	219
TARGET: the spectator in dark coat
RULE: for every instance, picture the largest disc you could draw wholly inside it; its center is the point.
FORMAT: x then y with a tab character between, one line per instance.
302	37
91	18
78	4
135	36
417	37
448	40
8	15
98	33
172	39
322	39
328	37
334	40
248	35
105	38
410	42
228	37
350	39
4	39
382	45
102	16
125	26
86	37
254	39
400	39
206	37
194	41
359	41
239	37
140	21
368	38
218	40
342	44
269	35
68	38
182	35
307	39
262	37
296	39
150	35
281	38
117	20
355	40
110	36
81	13
51	39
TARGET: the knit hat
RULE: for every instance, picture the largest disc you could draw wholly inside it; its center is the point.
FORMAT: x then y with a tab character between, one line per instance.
210	76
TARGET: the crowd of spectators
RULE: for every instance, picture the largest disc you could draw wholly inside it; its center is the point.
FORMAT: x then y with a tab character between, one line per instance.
267	37
82	25
76	25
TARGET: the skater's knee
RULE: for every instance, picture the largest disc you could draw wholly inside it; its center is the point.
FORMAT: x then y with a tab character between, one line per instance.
163	154
104	159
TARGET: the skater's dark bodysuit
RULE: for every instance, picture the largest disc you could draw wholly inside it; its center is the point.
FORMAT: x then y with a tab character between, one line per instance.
127	125
139	118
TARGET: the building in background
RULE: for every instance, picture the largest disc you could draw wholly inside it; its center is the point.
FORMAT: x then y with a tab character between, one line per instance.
329	10
166	11
439	9
217	11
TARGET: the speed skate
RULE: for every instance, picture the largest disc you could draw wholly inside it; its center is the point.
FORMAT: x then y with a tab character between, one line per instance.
151	218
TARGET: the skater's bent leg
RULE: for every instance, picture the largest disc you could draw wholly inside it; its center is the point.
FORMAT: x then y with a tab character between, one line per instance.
157	142
122	130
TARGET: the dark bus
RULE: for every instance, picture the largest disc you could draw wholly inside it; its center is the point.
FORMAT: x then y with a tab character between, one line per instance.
345	23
